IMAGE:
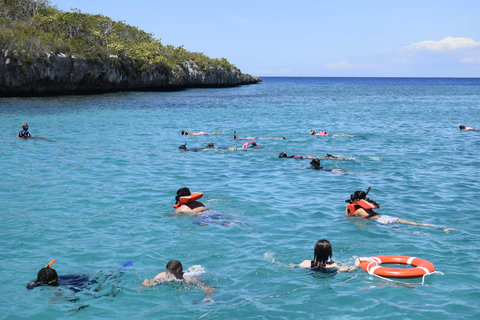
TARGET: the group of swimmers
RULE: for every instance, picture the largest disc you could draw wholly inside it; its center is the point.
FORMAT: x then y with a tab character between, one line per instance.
359	206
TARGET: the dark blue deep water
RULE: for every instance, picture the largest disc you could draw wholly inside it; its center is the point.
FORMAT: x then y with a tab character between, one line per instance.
97	197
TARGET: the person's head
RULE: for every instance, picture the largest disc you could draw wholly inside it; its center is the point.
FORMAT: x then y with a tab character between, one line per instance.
211	144
25	126
283	155
182	192
175	268
461	126
184	132
47	276
359	195
315	163
183	147
234	134
312	132
322	252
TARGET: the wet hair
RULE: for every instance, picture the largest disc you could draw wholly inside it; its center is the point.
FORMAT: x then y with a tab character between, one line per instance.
211	144
175	267
321	253
315	163
47	276
234	134
25	126
358	195
182	192
312	132
283	155
184	132
461	126
183	147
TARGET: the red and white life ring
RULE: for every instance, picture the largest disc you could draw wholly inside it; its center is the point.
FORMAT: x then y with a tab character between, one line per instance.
422	267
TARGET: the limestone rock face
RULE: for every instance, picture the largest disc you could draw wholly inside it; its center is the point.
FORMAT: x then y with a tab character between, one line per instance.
60	74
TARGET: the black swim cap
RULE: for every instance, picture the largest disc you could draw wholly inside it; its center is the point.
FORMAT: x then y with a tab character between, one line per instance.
182	192
315	163
183	147
211	144
184	132
282	155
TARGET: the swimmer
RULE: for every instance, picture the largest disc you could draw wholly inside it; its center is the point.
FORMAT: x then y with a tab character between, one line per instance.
186	133
315	163
251	138
321	255
190	206
462	127
207	148
362	207
284	155
186	202
174	272
324	133
24	134
249	144
47	276
332	157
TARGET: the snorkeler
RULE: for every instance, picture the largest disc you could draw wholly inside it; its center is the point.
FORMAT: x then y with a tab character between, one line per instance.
186	133
324	133
332	157
186	202
362	207
24	134
315	163
174	272
462	127
251	138
284	155
210	147
249	144
48	276
321	255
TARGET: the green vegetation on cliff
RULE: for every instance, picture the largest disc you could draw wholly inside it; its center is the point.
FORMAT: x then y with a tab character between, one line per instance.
32	29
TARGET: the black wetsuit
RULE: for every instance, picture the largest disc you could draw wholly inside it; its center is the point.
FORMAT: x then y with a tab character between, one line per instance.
24	134
74	282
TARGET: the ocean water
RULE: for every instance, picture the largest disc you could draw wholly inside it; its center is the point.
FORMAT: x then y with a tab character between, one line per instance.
101	192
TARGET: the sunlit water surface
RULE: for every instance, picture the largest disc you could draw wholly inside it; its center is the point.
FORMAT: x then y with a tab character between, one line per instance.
100	195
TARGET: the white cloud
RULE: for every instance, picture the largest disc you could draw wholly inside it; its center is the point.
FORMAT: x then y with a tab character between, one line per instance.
447	44
470	60
340	65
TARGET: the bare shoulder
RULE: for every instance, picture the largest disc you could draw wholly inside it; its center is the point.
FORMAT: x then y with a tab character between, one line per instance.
306	264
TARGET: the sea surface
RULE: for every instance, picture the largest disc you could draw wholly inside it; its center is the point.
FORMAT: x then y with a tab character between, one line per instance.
99	193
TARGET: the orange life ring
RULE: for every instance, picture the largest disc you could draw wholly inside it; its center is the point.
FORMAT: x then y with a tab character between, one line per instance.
187	199
422	267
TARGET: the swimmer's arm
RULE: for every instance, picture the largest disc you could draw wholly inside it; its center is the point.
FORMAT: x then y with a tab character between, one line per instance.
152	282
209	291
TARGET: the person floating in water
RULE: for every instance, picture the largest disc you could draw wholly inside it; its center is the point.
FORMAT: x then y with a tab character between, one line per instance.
462	127
321	255
284	155
251	138
362	207
174	273
47	276
249	144
209	147
24	134
186	202
324	133
315	163
332	157
186	133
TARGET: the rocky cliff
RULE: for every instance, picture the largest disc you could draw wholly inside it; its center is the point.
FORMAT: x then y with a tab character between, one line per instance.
60	74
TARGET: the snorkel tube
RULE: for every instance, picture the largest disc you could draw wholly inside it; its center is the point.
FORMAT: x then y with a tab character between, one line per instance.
50	263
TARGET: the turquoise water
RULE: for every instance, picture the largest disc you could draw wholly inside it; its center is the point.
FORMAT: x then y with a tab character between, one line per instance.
96	197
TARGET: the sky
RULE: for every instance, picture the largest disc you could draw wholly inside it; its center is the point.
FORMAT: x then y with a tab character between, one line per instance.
313	38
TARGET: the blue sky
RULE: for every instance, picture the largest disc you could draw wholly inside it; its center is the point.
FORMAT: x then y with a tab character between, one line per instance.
370	38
